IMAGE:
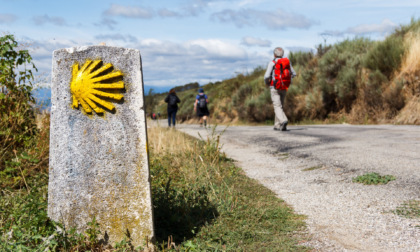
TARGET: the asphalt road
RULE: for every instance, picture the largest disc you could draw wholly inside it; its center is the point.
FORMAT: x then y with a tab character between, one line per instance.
312	167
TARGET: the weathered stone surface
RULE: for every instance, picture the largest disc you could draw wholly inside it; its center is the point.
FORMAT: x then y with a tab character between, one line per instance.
99	164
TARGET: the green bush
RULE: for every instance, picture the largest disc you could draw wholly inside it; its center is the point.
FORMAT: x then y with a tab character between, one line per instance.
186	107
300	58
258	109
372	90
338	73
386	55
17	120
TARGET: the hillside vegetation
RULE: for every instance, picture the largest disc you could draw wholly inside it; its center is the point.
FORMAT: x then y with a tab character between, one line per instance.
354	81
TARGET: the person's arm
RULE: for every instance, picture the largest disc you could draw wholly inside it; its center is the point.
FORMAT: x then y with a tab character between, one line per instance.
268	73
167	99
195	105
178	100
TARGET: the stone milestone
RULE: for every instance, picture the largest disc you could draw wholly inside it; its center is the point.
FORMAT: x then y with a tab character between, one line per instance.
98	149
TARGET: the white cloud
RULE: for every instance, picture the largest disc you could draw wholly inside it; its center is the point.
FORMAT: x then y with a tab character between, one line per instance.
275	20
129	11
168	13
250	2
251	41
169	64
195	7
116	36
166	63
41	20
7	18
191	8
108	22
217	48
384	28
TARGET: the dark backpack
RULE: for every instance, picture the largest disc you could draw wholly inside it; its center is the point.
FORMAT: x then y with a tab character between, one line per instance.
172	100
282	75
202	103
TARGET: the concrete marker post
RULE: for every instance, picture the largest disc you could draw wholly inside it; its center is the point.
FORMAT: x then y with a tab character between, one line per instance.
99	164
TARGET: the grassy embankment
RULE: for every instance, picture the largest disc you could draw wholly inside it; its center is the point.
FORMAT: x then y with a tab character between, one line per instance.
354	81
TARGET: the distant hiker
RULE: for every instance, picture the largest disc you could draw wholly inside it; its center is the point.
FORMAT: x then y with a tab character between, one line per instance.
172	101
278	77
200	106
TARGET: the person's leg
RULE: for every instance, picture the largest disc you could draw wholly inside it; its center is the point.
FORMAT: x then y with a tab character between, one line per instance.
205	121
279	114
284	120
174	118
169	118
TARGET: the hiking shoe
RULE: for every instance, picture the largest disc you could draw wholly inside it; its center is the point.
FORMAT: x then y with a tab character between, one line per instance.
284	126
277	129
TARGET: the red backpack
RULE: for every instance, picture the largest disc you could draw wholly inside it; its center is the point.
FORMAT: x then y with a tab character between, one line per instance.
282	76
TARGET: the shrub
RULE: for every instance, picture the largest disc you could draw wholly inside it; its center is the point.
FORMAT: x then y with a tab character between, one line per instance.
339	70
17	120
259	109
186	107
304	80
240	96
314	104
386	55
300	58
372	90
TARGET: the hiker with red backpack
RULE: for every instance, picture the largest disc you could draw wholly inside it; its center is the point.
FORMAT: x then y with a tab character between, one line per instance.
278	77
200	106
172	100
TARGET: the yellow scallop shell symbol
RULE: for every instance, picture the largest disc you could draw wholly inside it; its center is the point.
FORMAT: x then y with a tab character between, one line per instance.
87	83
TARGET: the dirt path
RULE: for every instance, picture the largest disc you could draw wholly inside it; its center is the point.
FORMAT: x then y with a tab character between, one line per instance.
311	168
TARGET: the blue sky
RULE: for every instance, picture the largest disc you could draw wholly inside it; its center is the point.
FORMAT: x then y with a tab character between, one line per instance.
197	40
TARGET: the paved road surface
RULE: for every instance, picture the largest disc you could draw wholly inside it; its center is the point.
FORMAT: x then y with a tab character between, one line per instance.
311	168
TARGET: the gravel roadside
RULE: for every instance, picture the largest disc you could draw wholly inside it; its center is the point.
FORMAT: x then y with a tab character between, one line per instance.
311	168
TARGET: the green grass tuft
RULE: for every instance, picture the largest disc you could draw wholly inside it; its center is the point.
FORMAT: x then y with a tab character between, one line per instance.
373	179
409	209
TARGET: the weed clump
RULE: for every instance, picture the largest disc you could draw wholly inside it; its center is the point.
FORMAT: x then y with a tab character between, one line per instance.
373	179
409	209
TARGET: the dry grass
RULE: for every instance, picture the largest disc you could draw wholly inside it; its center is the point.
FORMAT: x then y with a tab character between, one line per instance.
411	62
410	114
167	140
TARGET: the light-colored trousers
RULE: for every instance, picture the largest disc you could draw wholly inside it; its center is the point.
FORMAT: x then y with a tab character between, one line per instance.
278	96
